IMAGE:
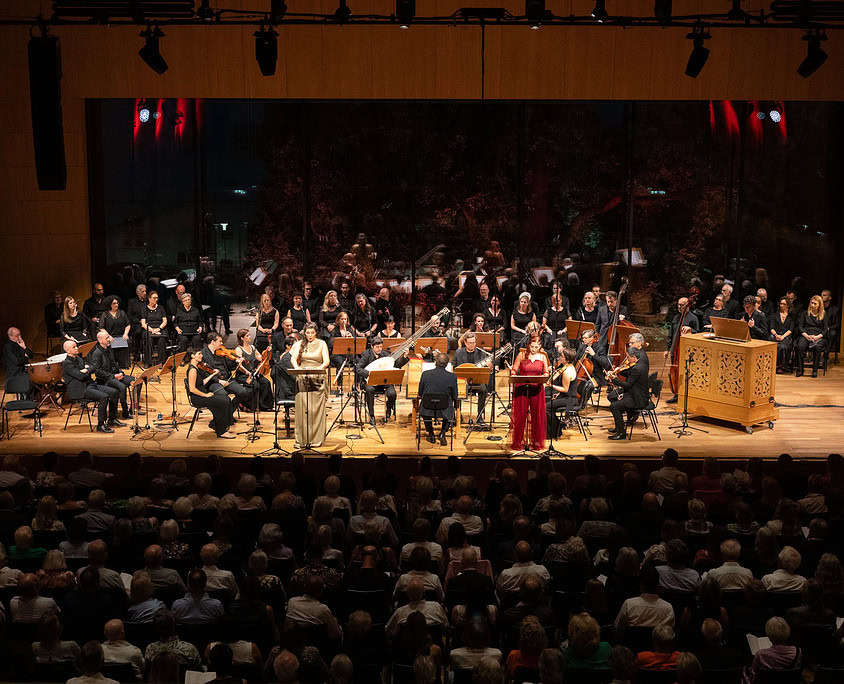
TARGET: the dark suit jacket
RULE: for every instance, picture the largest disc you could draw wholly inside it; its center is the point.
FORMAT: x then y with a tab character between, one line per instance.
636	384
102	363
15	359
760	330
438	381
286	384
209	358
368	357
689	319
75	380
602	322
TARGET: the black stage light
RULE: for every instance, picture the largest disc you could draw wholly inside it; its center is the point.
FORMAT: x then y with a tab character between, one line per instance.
266	50
405	12
699	53
662	10
599	14
150	52
535	12
815	56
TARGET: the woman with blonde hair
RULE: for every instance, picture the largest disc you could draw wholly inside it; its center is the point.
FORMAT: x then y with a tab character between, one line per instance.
54	573
328	314
45	519
812	333
532	641
585	649
266	323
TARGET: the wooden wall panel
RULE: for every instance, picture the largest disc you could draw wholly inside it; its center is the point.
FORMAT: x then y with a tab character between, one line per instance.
46	234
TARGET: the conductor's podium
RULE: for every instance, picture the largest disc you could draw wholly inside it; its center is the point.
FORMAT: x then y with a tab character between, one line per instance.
729	380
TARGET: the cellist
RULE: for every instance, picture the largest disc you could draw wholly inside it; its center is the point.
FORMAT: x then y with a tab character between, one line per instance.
589	349
684	323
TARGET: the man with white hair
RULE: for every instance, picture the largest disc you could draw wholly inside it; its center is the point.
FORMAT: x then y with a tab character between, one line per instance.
79	385
786	577
634	387
107	371
730	575
731	305
431	610
16	355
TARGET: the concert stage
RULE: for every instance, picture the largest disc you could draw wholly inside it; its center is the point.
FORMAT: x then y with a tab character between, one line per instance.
810	425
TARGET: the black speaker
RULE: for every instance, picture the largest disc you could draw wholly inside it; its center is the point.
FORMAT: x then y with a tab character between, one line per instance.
45	74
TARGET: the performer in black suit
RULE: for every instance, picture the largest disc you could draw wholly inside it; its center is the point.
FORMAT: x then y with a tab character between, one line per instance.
284	383
612	303
136	309
438	380
756	321
376	351
107	371
591	348
240	394
635	387
471	353
15	357
77	378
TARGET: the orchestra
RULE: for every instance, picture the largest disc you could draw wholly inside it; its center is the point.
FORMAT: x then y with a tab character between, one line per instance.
254	374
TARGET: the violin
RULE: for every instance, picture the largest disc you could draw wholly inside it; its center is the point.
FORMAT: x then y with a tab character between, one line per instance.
628	363
205	367
228	353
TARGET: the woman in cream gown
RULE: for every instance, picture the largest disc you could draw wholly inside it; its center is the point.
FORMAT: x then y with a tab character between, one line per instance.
310	352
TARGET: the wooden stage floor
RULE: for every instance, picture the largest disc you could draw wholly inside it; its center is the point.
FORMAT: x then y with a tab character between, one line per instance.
810	425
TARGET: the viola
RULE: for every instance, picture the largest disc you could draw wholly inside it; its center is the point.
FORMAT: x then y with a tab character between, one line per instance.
228	353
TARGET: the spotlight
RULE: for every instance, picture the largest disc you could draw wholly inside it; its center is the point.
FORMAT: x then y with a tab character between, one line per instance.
266	50
775	115
599	14
143	114
405	11
343	13
815	56
662	10
760	116
535	11
150	52
699	53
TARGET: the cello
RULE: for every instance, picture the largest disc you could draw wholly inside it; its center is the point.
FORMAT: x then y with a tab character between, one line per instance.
674	349
616	347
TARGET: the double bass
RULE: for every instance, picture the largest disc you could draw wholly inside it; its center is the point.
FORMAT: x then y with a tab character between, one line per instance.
617	346
674	349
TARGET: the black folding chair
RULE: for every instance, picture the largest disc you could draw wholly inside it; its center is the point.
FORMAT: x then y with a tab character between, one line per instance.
436	402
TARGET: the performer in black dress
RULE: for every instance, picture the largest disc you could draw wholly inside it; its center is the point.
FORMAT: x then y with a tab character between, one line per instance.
563	391
328	314
188	323
519	319
494	314
198	384
363	316
267	321
299	314
116	323
154	323
250	359
812	331
554	320
782	325
594	313
75	325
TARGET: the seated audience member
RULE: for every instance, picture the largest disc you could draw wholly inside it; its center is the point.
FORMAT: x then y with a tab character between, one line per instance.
197	607
812	610
86	475
286	668
661	481
242	651
309	611
169	642
647	609
511	579
271	587
689	670
786	577
46	519
676	575
532	641
9	577
271	542
23	551
471	589
367	576
425	670
201	497
91	664
315	567
163	579
54	575
431	610
472	524
50	648
173	549
96	518
663	657
413	640
27	606
246	498
814	503
341	670
713	654
585	649
730	575
556	492
598	525
118	651
141	524
89	605
331	489
744	523
532	601
216	578
697	524
622	665
367	505
766	552
780	656
221	663
164	669
457	542
420	566
476	646
75	545
421	534
143	606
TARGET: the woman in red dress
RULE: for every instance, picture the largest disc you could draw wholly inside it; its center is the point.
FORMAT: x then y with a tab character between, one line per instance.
529	398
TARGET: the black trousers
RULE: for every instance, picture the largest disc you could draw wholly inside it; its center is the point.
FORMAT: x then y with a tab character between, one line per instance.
259	389
784	349
220	406
122	386
186	341
156	345
106	398
800	350
618	408
429	426
482	391
388	390
552	409
261	342
239	393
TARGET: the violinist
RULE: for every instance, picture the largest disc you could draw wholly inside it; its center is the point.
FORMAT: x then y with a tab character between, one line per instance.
266	322
529	398
223	380
589	348
812	332
249	361
634	387
682	324
562	393
782	325
204	391
755	319
471	353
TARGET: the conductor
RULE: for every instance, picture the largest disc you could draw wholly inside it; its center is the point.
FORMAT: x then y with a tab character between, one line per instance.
438	380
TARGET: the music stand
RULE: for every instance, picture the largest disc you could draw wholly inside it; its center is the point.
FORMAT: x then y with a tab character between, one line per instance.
574	329
390	342
473	375
393	376
528	380
438	344
296	372
488	340
169	366
350	347
144	377
729	329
